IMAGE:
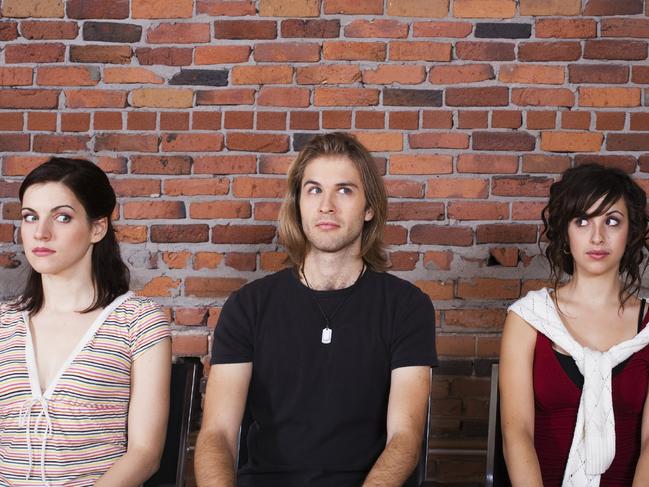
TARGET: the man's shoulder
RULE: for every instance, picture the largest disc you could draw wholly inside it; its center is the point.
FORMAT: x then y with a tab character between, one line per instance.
395	283
277	281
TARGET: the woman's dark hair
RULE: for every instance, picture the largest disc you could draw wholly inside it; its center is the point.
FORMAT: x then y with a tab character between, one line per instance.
91	187
571	197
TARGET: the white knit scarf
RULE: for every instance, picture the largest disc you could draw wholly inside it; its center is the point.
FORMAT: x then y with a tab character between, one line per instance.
593	443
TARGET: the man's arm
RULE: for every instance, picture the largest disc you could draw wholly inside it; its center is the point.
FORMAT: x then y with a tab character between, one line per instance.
216	446
407	409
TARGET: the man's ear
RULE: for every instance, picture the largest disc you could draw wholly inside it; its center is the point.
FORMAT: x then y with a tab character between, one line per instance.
369	214
98	229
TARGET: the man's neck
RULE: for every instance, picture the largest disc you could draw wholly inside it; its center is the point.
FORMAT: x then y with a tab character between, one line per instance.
326	271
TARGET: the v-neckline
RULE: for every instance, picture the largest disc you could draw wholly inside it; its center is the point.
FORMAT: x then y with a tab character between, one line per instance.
30	355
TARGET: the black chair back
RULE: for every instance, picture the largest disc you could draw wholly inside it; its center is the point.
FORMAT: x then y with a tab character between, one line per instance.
496	475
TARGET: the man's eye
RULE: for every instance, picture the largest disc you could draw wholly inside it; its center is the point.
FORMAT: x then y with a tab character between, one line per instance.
313	190
345	190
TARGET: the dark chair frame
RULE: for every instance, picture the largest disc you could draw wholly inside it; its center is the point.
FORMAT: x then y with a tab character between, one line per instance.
496	473
184	404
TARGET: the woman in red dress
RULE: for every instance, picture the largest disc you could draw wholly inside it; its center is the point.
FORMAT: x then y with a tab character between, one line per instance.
574	370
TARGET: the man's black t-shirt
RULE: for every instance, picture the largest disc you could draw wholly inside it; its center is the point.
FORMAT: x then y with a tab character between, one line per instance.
319	410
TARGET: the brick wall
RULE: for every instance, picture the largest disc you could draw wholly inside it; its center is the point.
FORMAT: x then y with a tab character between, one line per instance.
196	108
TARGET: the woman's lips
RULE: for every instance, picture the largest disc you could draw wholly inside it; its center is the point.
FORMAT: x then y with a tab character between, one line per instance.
42	251
597	254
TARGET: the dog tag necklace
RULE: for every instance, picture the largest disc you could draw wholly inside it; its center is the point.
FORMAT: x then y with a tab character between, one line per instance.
327	332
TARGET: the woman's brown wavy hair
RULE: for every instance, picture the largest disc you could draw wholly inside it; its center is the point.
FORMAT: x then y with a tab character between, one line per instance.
336	144
571	197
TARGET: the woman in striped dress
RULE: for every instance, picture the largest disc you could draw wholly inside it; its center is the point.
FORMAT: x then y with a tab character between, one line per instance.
80	356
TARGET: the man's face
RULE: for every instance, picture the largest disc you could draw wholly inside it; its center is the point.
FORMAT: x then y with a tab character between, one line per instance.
333	205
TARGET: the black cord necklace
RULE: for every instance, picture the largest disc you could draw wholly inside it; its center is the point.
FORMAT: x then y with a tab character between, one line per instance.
327	332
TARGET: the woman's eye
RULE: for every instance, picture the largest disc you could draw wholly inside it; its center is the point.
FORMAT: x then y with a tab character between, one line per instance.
612	221
581	222
29	218
63	218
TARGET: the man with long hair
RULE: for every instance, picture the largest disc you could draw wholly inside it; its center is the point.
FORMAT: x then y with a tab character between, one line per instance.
329	358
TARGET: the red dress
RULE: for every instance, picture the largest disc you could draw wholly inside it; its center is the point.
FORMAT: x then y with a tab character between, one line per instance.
556	400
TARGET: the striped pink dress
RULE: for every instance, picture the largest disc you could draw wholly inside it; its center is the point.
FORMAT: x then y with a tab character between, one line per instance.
71	434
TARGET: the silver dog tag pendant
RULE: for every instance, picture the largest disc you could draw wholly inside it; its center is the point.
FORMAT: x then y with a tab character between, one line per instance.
326	336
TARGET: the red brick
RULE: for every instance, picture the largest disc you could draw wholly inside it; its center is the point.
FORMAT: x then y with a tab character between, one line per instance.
196	186
566	28
21	165
457	188
640	121
521	186
560	97
42	121
328	74
225	165
403	120
145	210
67	76
159	286
531	74
506	233
480	210
609	97
472	119
286	52
549	51
354	51
283	97
11	121
394	73
474	9
245	29
176	260
131	75
207	260
8	31
112	165
403	261
627	142
625	163
614	49
295	8
34	53
126	143
95	99
336	119
14	142
527	210
487	163
571	141
182	33
75	122
477	319
435	260
220	209
273	261
466	73
621	7
261	74
226	96
101	54
271	121
487	288
15	76
257	142
575	120
359	7
441	235
221	54
640	74
315	28
370	120
243	234
266	211
174	121
610	121
381	141
503	141
206	120
107	121
418	8
48	30
420	51
477	97
345	97
541	119
212	286
161	9
242	261
34	8
442	29
485	51
436	119
625	27
97	9
376	28
437	290
60	143
161	165
550	7
194	233
258	187
426	140
189	345
238	120
415	211
598	73
136	187
511	119
191	142
218	8
403	188
166	56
